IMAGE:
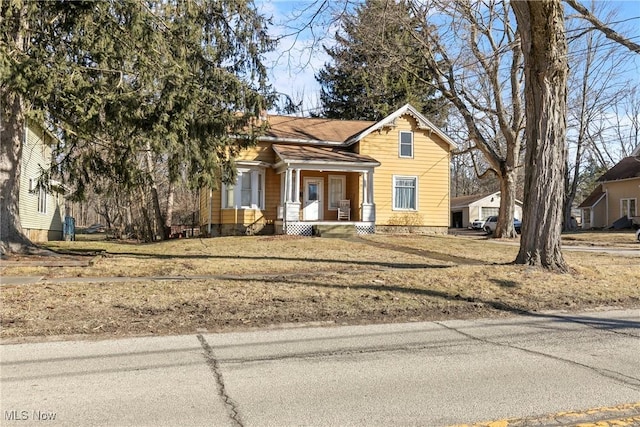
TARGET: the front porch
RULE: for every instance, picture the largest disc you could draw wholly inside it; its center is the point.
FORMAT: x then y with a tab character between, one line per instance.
313	184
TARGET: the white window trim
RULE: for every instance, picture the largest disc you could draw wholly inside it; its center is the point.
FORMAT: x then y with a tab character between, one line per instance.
628	199
400	144
342	178
393	193
237	190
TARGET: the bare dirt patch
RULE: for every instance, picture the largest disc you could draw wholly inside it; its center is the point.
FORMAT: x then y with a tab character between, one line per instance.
249	282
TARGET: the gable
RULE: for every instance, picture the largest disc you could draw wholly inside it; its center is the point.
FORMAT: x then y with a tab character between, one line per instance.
477	199
465	201
594	198
408	113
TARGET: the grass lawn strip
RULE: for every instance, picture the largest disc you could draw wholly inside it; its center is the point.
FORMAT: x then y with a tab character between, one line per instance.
261	282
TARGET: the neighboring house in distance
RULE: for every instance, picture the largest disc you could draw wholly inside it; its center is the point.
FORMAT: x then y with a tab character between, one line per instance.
394	174
41	212
466	209
616	195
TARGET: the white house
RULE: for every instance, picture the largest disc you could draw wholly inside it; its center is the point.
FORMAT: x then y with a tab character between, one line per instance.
466	209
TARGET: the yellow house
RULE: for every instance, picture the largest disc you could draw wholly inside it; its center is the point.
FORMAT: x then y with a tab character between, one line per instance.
616	195
391	175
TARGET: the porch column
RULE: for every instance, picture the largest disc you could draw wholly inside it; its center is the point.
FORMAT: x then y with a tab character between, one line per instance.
368	207
365	188
287	185
370	190
296	196
292	203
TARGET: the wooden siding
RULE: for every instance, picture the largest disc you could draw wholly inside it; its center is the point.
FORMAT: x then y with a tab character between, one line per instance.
228	216
354	193
430	164
271	194
351	192
38	226
616	190
260	152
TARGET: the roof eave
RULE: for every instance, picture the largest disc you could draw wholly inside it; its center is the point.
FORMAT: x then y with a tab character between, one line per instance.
608	181
325	164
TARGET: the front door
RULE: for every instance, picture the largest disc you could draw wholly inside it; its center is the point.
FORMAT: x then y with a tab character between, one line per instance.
312	210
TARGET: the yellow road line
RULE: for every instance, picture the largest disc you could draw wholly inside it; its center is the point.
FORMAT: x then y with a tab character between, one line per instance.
627	415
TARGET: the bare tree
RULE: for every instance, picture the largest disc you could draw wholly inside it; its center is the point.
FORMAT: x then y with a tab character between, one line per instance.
603	28
474	52
593	90
541	28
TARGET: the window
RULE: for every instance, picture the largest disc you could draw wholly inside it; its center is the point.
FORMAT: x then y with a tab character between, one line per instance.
42	200
337	187
248	191
628	207
405	193
260	201
228	192
406	144
245	192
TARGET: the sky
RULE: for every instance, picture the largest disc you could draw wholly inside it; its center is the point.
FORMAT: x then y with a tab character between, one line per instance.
300	56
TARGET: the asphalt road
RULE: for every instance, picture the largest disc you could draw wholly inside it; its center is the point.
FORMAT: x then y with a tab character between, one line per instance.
428	374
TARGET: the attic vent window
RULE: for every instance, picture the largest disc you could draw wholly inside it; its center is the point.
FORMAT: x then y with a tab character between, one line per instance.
406	145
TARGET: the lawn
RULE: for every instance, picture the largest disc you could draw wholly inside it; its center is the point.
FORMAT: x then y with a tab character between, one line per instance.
241	282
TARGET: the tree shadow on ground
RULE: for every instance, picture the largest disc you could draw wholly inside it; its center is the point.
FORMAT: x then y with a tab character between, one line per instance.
497	305
591	321
505	283
422	252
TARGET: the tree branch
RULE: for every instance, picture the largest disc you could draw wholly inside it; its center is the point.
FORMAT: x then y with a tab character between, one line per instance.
608	32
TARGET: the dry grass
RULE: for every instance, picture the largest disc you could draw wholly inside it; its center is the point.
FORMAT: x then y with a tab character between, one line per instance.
259	281
617	238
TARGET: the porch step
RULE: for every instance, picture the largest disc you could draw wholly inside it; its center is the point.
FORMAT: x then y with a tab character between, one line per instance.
334	230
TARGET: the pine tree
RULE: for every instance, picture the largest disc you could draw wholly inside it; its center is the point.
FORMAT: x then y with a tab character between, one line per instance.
360	83
121	80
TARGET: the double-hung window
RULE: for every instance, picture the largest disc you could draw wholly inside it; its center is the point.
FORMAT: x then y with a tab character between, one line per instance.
246	189
42	200
405	145
247	192
405	193
628	207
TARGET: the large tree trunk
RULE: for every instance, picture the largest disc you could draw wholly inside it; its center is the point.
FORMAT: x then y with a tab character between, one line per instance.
12	125
541	28
12	121
146	219
161	231
168	217
504	227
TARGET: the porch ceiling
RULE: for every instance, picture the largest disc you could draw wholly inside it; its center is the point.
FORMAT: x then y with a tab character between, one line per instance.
316	155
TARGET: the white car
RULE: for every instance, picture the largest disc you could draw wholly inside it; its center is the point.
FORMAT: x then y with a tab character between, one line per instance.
491	223
478	224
